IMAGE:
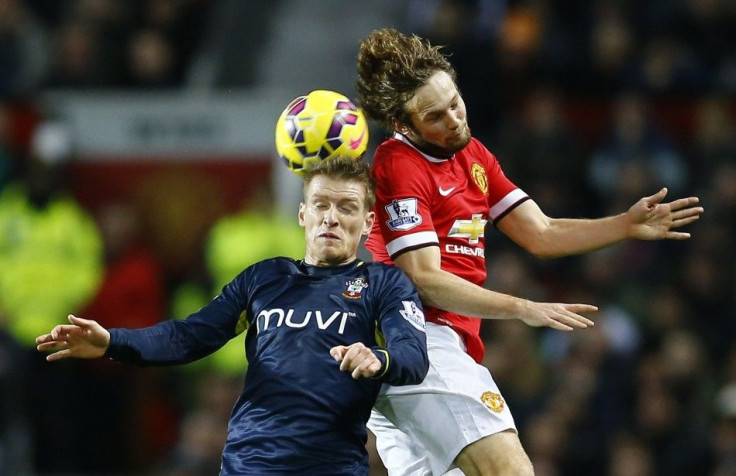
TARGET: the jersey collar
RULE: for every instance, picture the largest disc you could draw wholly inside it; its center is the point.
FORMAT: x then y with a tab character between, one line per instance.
312	270
430	158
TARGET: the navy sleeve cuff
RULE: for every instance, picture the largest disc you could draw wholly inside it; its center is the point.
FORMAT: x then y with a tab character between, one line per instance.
382	355
118	350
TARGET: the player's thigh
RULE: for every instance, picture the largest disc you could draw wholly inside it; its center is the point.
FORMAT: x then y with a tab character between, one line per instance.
497	454
457	404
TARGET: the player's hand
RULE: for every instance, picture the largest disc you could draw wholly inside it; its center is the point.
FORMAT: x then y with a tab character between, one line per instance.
560	316
357	359
653	220
84	339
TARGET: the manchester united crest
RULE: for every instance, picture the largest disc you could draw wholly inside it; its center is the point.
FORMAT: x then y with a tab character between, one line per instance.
479	177
493	401
354	288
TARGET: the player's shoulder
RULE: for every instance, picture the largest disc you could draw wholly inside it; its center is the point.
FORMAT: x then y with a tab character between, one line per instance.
274	266
476	147
392	152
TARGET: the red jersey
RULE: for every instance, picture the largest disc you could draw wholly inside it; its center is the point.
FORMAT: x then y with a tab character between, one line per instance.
425	201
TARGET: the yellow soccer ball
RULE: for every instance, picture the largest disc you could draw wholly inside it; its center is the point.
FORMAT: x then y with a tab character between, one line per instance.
319	126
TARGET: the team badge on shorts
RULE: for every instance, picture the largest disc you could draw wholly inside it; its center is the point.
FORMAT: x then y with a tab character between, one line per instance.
493	401
354	288
403	214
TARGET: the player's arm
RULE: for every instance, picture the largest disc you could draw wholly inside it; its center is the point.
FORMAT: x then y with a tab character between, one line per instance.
648	219
446	291
175	341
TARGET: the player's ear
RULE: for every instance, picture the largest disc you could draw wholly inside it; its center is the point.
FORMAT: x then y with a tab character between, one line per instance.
398	126
369	219
301	213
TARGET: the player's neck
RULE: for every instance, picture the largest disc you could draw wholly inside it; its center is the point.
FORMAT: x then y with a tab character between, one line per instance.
428	149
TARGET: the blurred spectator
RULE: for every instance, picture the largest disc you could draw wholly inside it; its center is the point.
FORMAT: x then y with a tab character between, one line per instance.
714	138
636	158
629	456
151	60
23	51
77	58
9	160
612	45
668	66
182	24
50	247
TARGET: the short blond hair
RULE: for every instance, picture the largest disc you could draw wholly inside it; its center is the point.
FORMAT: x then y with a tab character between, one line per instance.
347	169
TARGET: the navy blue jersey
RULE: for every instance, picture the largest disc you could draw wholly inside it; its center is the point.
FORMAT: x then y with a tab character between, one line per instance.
298	413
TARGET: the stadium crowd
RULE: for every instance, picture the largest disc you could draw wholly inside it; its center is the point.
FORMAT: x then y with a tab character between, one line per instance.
606	99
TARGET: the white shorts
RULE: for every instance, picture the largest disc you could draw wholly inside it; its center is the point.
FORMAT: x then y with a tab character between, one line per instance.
420	429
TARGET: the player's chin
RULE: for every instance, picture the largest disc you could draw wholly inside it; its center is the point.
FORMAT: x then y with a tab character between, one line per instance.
458	142
332	253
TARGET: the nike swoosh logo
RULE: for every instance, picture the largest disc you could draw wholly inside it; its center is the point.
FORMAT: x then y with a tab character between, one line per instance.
354	144
444	192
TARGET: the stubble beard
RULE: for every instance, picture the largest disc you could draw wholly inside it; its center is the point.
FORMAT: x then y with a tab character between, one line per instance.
452	146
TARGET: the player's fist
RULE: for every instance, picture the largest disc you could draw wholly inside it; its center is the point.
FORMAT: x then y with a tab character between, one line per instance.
357	359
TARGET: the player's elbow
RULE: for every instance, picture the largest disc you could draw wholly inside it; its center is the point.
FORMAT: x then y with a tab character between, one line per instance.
429	285
545	253
417	377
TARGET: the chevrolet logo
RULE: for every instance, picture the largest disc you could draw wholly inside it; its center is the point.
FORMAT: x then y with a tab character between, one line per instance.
471	229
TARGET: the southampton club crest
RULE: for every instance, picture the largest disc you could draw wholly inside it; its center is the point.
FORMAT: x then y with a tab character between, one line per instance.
354	288
403	214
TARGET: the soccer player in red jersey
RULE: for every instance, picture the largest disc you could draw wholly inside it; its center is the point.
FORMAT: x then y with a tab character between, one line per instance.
437	187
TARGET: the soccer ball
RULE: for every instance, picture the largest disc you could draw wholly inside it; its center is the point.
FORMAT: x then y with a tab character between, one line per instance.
319	126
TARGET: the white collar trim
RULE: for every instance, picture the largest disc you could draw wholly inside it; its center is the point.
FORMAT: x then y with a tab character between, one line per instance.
435	160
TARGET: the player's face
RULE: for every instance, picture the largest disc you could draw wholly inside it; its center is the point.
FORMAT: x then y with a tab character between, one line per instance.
334	218
439	120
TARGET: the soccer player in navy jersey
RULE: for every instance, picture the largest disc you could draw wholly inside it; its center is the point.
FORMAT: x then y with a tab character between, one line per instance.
323	335
437	187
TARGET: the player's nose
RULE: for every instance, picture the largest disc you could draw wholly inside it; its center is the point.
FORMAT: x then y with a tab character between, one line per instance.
330	216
